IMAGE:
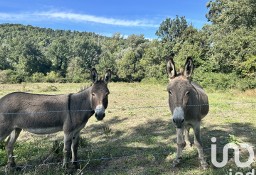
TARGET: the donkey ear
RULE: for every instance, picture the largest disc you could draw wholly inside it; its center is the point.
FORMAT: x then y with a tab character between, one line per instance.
188	67
94	75
171	68
107	76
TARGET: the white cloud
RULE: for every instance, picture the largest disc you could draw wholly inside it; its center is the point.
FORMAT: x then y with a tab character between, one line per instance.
96	19
8	16
39	16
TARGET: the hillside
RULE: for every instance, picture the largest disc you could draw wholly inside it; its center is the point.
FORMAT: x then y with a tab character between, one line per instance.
223	51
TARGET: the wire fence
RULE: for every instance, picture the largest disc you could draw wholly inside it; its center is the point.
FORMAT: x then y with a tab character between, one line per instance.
120	108
86	162
103	158
106	158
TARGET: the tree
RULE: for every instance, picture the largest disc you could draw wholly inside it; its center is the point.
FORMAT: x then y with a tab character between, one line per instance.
31	60
59	55
233	50
193	43
88	51
135	40
129	67
75	72
232	14
153	61
171	29
4	63
107	61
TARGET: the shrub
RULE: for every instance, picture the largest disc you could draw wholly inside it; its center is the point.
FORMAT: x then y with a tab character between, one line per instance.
50	88
246	83
11	76
53	77
37	77
154	80
222	81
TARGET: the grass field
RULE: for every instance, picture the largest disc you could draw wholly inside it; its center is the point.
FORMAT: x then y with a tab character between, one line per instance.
137	136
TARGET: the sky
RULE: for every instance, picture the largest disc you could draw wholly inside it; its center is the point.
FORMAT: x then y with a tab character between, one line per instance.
104	17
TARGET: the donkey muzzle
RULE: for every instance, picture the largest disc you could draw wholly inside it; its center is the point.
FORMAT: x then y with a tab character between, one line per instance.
178	117
100	112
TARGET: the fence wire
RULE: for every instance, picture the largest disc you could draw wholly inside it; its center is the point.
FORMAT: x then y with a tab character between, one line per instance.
119	108
105	158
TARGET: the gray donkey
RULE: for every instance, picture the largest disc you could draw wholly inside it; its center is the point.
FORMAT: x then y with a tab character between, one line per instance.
189	104
45	114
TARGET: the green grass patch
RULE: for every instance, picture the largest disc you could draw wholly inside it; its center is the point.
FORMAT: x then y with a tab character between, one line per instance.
137	136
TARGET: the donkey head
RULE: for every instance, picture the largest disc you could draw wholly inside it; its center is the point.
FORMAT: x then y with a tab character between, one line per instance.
99	93
179	89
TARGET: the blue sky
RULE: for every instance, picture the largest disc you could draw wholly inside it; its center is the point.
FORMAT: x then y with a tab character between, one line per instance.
105	17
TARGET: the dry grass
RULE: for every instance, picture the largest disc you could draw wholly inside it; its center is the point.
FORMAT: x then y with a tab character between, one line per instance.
136	136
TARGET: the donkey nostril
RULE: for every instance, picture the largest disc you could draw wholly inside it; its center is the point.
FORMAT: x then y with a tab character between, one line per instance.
182	120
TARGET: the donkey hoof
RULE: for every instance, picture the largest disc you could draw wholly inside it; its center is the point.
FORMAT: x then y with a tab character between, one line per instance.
75	165
183	145
174	165
176	162
65	166
9	168
204	165
18	168
69	171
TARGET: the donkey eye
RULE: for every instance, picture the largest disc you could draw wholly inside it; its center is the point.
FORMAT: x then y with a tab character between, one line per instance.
170	92
93	94
187	93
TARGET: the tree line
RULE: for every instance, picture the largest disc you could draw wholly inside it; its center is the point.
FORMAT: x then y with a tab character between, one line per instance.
224	50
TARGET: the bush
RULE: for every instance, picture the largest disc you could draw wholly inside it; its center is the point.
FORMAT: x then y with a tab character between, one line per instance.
77	78
53	77
37	77
214	80
11	76
246	83
154	80
220	81
50	88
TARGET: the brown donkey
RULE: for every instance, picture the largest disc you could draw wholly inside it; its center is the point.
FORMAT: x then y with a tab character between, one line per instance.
189	104
45	114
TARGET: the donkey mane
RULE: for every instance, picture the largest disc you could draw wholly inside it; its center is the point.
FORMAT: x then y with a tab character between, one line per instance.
83	88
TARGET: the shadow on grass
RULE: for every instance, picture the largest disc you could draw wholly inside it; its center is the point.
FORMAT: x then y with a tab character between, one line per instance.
229	133
142	150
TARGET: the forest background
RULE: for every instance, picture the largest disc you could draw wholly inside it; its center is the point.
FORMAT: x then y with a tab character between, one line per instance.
224	51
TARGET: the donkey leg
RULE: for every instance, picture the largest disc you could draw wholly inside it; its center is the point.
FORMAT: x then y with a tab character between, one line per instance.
5	130
67	149
198	144
187	137
180	145
10	145
74	148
